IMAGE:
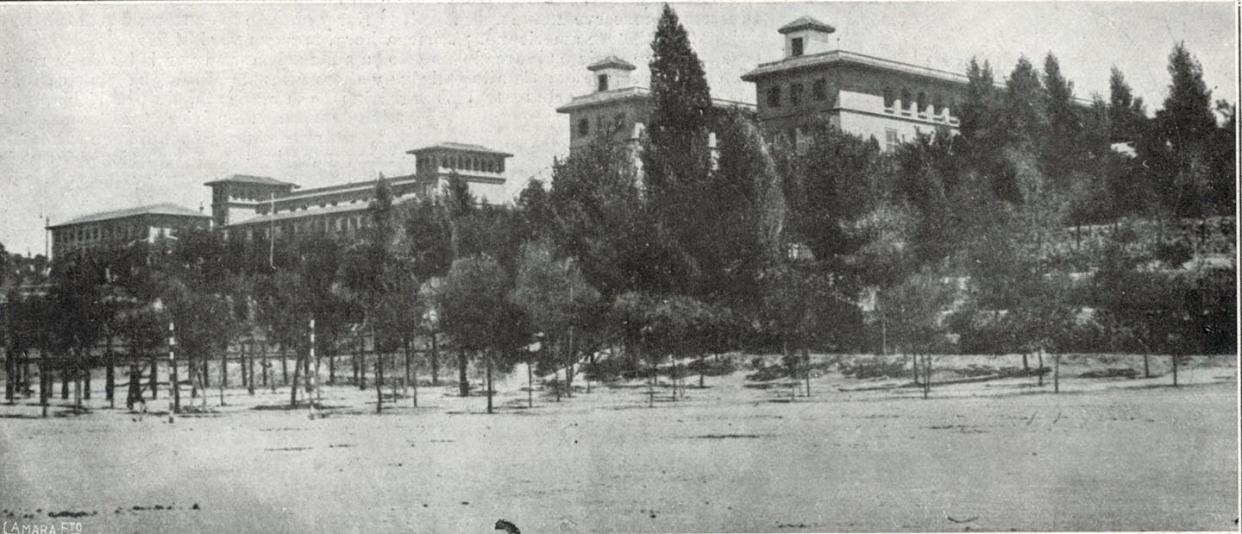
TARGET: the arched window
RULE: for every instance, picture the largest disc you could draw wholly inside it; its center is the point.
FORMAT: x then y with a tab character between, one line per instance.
905	100
922	102
937	104
888	97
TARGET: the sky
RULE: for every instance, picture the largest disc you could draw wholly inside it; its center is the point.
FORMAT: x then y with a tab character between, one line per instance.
111	106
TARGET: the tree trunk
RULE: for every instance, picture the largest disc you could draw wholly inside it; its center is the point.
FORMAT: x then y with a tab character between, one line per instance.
405	380
927	373
250	368
242	359
293	391
76	369
45	381
110	373
530	382
9	376
591	358
308	380
463	386
64	381
379	379
284	366
1056	373
1025	365
193	368
1175	362
353	365
204	375
435	360
176	389
1146	366
411	375
332	362
224	368
85	371
702	369
488	364
806	358
915	370
154	379
1040	372
651	386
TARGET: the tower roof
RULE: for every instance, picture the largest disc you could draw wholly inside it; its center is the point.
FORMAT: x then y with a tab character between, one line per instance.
806	23
248	179
459	147
612	62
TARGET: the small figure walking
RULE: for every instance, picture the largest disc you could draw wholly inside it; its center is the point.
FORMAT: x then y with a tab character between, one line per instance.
135	391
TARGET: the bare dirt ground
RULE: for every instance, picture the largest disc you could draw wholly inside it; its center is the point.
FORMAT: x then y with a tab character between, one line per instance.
1105	454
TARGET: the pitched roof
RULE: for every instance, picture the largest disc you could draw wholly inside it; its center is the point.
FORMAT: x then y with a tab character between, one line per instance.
611	62
249	179
806	23
154	209
460	147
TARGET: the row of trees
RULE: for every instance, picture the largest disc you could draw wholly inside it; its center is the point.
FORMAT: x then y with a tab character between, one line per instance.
965	242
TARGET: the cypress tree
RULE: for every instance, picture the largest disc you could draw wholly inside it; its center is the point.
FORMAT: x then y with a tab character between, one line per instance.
1183	128
1064	149
676	157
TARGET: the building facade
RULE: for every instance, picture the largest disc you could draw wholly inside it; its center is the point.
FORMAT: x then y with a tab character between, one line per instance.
258	206
117	228
863	95
616	107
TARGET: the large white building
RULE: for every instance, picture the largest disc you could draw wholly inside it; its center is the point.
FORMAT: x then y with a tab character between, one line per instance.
863	95
257	206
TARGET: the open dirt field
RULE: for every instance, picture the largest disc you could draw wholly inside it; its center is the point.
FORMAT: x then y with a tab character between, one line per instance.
999	455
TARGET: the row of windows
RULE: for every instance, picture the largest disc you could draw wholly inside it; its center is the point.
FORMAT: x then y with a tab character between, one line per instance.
919	101
584	124
97	233
819	92
343	223
461	162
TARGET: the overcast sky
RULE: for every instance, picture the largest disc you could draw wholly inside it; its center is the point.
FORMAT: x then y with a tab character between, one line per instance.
110	106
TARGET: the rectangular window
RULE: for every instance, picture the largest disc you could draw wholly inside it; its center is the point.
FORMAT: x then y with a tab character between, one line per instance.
795	46
795	94
891	140
774	96
603	82
820	89
584	127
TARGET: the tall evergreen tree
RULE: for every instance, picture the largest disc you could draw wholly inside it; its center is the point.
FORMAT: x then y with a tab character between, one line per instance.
1025	105
1065	148
1127	114
676	156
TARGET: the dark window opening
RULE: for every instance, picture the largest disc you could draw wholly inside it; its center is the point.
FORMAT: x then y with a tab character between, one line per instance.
603	82
820	89
888	97
795	46
584	127
795	94
774	96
